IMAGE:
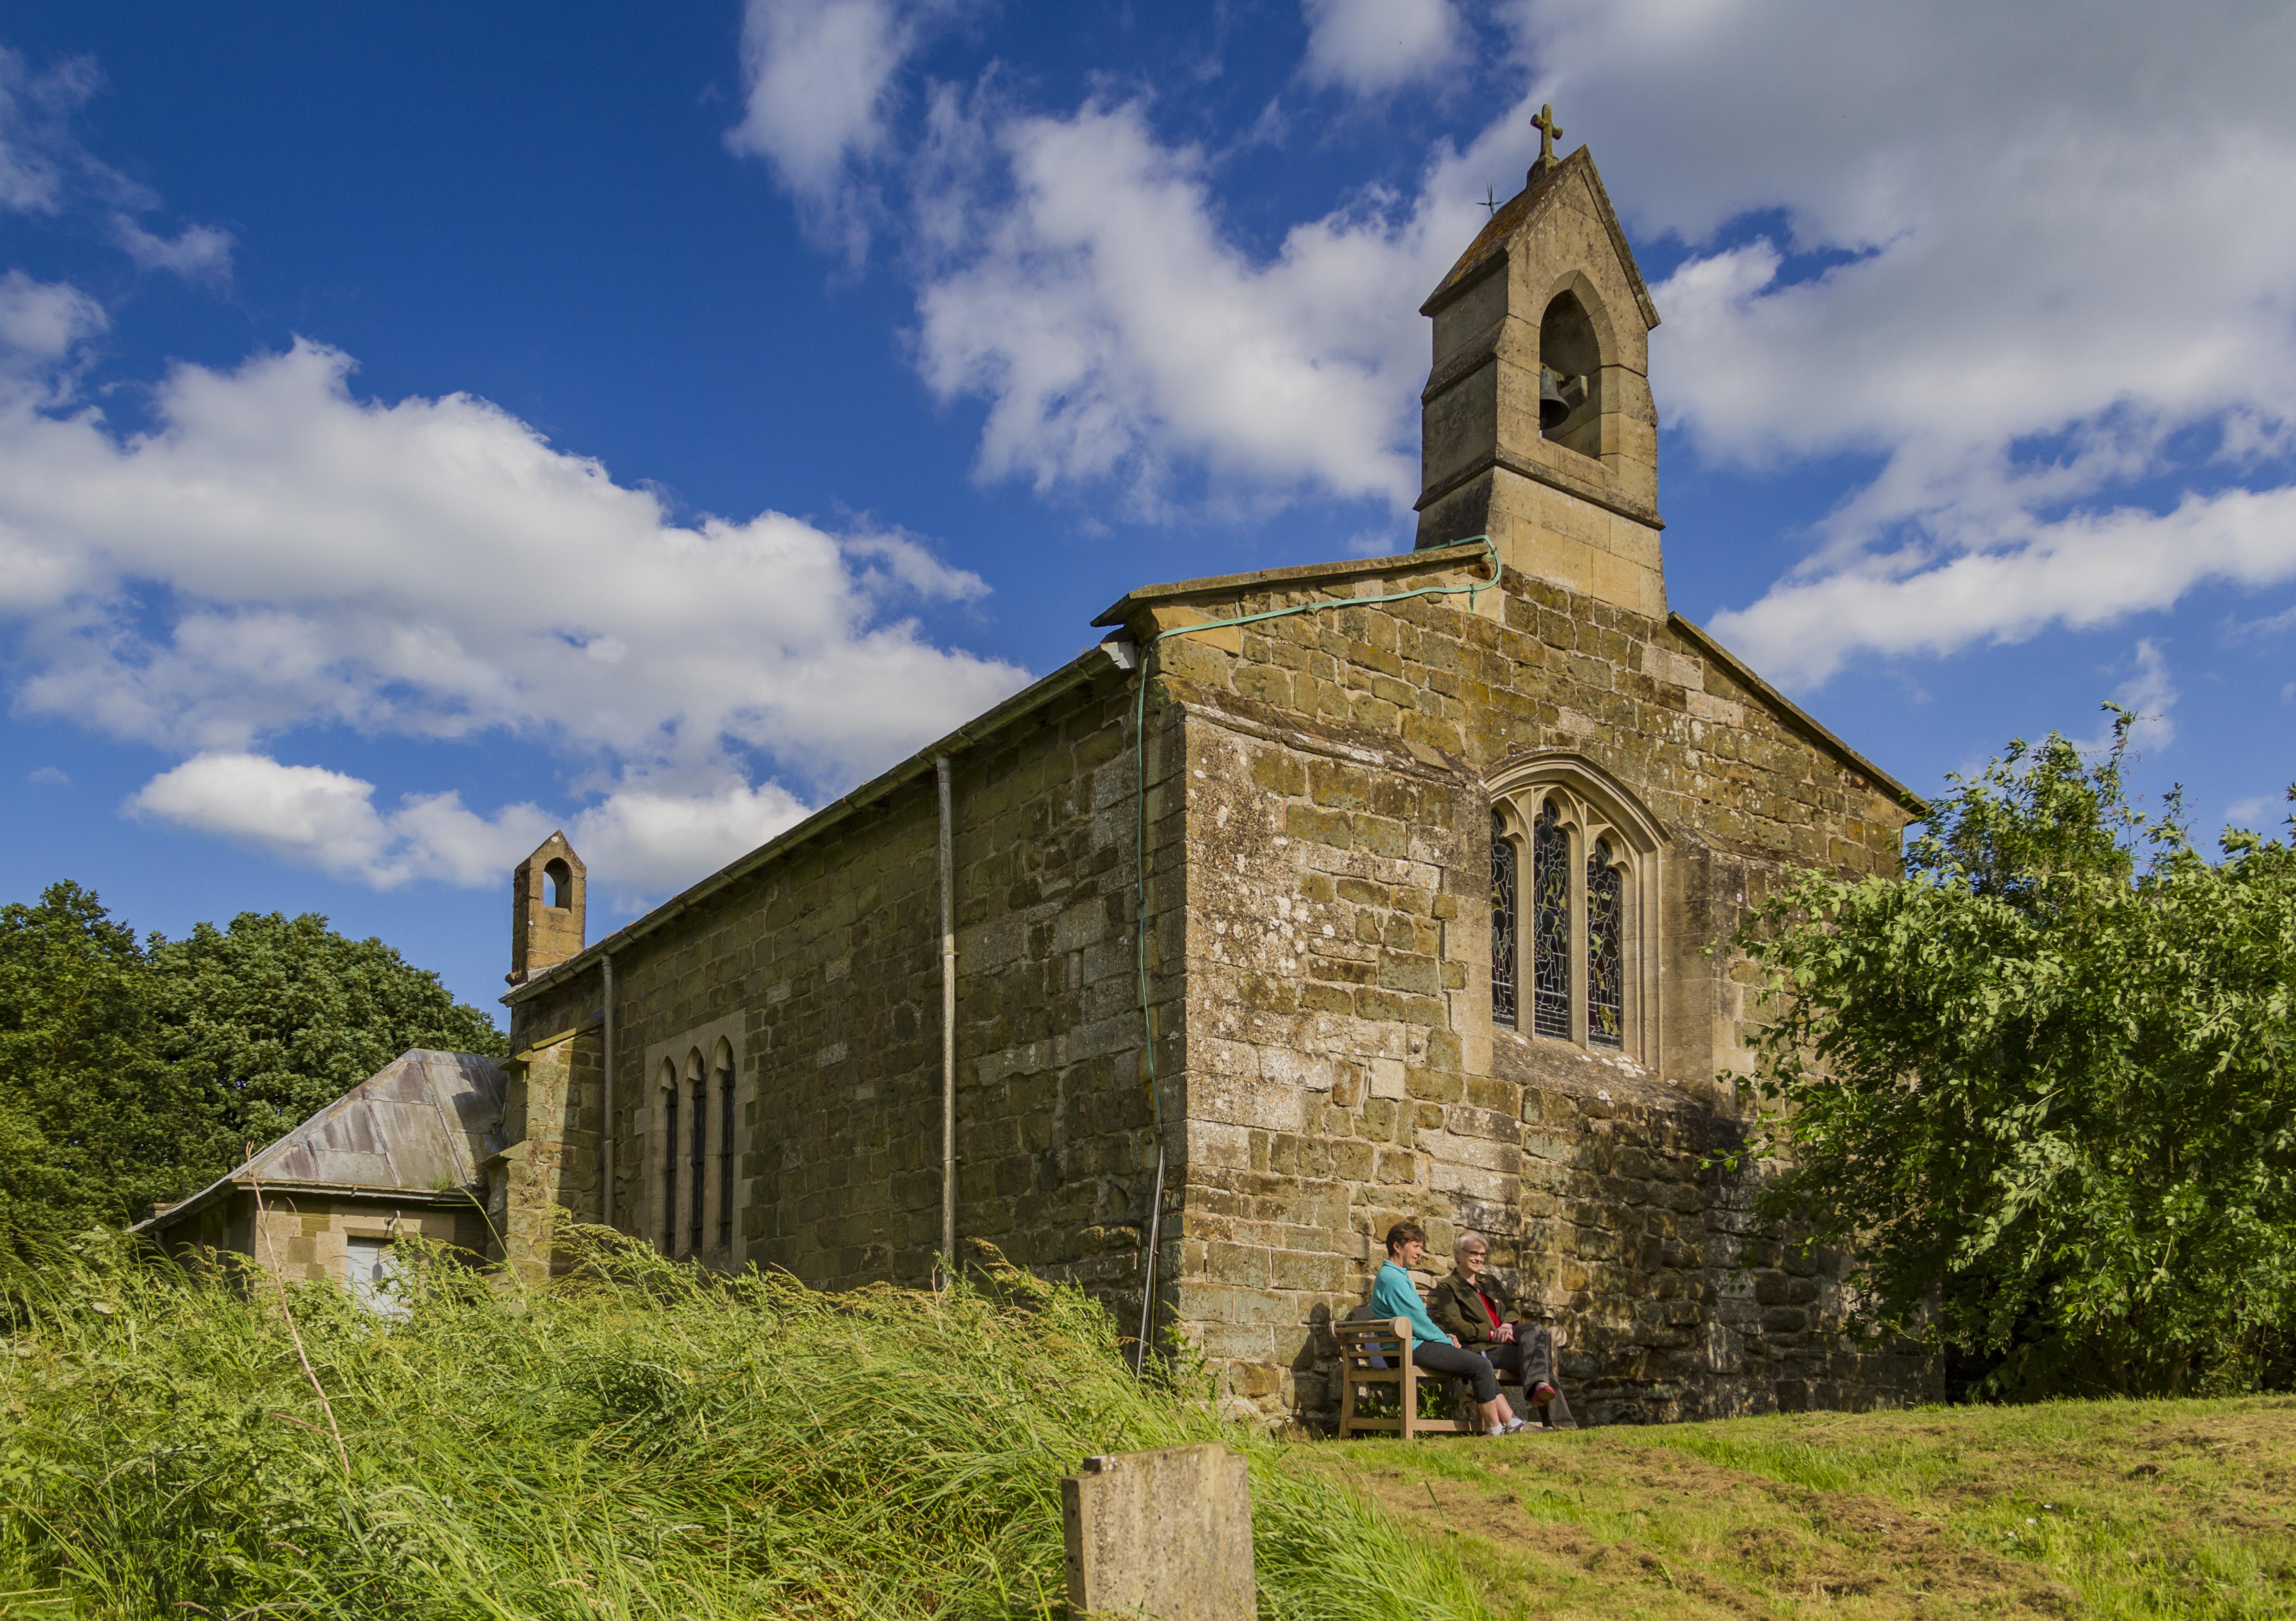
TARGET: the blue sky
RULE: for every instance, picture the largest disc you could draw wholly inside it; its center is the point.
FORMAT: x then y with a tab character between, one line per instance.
421	429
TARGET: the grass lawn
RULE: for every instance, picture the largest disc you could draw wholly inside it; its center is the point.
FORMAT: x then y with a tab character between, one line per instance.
2108	1508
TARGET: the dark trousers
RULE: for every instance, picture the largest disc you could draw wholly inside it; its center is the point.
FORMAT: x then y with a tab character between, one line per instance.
1531	1357
1460	1365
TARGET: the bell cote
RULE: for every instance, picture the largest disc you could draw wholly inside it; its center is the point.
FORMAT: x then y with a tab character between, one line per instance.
1536	426
545	909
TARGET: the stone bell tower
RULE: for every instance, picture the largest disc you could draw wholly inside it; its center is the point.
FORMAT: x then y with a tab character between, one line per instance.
545	909
1536	426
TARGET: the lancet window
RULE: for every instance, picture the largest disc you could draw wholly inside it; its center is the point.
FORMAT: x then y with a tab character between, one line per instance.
724	1067
669	1159
697	1155
1573	901
1550	924
1504	945
1606	968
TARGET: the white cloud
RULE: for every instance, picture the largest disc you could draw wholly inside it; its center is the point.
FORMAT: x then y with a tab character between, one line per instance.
818	83
275	554
2150	695
42	322
48	777
2020	256
305	814
641	839
2084	570
1096	304
1373	46
2266	813
39	159
2053	250
649	838
45	170
197	253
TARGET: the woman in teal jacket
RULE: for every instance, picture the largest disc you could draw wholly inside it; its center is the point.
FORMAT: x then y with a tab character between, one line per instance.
1392	1295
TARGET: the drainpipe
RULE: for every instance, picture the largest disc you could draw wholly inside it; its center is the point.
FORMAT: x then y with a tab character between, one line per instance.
606	1122
947	1018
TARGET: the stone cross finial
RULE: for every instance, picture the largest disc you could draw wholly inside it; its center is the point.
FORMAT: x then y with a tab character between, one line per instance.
1547	130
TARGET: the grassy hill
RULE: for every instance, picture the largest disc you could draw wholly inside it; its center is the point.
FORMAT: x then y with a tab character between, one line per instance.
2108	1508
640	1441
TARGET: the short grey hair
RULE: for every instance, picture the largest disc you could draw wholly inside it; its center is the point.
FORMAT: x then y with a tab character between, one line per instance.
1469	1238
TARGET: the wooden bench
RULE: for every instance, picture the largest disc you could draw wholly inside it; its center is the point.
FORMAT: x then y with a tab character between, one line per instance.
1375	1351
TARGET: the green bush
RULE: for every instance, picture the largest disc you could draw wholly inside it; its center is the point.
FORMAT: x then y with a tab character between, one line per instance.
2045	1088
637	1439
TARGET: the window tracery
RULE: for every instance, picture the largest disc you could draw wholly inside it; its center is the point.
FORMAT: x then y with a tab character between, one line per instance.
1606	987
1550	924
1574	873
1504	946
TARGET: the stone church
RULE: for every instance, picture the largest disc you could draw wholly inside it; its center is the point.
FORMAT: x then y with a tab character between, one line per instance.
1309	900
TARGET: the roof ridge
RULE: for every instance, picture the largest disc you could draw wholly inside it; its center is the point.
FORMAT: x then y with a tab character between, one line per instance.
1511	215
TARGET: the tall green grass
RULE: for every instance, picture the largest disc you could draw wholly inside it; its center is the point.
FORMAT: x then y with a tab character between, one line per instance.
636	1439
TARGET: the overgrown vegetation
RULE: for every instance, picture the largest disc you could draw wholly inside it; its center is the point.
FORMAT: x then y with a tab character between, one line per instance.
639	1440
132	1070
2044	1090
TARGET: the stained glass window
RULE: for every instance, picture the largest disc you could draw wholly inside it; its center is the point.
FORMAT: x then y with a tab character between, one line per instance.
1606	977
1550	925
1503	1001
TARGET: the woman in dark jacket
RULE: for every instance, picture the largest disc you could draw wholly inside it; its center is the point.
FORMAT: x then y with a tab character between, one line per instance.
1474	1306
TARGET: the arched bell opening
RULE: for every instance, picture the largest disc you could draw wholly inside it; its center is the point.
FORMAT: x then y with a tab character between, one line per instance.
1569	377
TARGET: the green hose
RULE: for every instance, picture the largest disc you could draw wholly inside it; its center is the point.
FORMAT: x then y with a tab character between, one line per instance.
1140	874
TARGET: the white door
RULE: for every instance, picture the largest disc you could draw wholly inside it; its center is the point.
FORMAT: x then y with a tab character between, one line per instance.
371	1267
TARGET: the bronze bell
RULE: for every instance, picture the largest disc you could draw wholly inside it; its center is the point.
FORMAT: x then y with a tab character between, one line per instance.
1553	409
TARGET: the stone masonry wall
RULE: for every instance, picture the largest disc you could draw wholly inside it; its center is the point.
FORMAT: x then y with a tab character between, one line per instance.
302	1234
829	955
552	1107
1342	1068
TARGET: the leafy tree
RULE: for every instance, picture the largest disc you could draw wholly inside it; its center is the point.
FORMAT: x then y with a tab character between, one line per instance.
2042	1088
93	1125
276	1017
133	1073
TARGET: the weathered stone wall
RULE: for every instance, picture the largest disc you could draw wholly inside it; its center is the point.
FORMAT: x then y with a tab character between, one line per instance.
1342	1070
302	1234
828	956
552	1109
1318	814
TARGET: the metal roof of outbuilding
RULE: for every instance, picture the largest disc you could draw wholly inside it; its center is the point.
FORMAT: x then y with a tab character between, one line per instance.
421	1125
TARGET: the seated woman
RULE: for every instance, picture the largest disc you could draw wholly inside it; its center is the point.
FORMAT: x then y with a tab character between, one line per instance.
1474	1306
1392	1295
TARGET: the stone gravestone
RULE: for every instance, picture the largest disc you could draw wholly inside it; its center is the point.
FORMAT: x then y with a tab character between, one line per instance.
1164	1535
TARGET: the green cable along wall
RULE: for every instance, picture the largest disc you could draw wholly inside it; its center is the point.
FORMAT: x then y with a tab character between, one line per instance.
1471	591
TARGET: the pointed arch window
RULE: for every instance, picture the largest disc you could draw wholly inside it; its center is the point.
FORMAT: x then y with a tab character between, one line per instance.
668	1159
697	1153
1550	924
1606	968
723	1064
1574	875
1504	947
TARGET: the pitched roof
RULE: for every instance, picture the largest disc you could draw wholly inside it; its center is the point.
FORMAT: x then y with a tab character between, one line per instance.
1518	211
419	1126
